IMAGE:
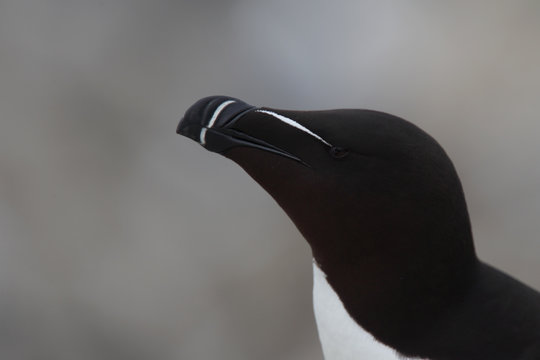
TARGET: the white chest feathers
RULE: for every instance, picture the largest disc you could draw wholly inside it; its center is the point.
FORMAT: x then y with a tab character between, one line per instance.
341	337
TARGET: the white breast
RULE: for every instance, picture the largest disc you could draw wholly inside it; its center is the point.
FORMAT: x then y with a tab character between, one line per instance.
341	337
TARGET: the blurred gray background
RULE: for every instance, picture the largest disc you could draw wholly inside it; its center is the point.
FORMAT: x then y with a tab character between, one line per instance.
121	240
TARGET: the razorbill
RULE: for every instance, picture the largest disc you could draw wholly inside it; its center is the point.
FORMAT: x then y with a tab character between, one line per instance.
381	205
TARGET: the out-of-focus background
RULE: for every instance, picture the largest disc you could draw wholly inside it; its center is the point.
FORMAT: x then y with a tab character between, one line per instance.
121	240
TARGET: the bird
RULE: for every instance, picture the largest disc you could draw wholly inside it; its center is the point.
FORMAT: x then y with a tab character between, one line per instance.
395	270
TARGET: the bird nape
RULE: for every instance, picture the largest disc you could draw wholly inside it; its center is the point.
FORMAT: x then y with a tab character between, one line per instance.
382	208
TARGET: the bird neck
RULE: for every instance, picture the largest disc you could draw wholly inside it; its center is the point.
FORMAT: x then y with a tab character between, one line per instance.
340	335
395	295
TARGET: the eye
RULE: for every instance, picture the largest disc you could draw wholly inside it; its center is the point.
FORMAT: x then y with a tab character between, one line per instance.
338	152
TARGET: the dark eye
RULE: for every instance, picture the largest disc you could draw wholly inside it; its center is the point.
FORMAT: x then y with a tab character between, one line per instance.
338	152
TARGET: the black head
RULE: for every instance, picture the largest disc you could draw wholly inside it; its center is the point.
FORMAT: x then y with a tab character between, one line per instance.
358	179
376	197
